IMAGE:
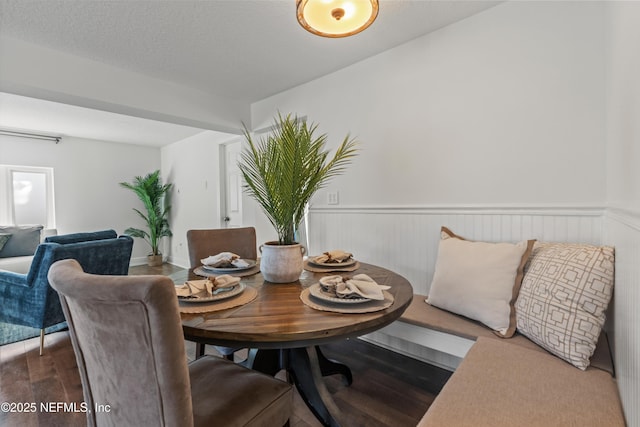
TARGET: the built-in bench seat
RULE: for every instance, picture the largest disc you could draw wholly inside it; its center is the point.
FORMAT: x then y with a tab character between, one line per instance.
511	382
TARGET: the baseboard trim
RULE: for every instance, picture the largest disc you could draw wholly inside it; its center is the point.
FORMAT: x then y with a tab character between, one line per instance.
137	261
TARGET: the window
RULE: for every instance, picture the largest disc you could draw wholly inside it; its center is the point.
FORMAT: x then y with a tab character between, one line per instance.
26	194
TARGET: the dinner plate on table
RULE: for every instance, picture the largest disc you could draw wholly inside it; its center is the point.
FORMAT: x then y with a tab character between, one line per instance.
317	292
219	294
251	262
346	263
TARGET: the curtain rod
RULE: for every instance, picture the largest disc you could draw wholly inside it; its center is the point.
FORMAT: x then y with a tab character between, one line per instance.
30	135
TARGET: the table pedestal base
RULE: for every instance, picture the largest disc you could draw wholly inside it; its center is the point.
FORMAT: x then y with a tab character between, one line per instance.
305	368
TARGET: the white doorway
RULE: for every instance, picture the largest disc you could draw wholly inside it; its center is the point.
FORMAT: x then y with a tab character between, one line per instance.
230	185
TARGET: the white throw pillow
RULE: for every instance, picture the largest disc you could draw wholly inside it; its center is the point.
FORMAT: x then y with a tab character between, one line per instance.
564	296
479	280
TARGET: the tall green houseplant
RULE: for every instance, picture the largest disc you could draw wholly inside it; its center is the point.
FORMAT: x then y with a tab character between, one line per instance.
284	170
152	194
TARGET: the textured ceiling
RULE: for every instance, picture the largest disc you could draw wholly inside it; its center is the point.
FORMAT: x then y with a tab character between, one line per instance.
239	49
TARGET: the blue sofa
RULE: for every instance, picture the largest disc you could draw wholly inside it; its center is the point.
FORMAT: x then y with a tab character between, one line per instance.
28	299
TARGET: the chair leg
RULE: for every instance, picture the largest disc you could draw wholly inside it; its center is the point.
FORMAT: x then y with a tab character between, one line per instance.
199	350
41	341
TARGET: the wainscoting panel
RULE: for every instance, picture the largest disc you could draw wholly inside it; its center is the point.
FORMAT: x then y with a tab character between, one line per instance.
623	232
405	239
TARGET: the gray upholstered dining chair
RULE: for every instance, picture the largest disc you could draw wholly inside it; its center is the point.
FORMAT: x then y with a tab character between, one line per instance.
202	243
127	338
206	242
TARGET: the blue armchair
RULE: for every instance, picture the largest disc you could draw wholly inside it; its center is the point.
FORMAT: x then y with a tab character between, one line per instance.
29	300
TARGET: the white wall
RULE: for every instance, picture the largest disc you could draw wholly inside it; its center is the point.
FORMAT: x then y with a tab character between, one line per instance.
623	104
192	166
519	122
86	177
506	106
623	193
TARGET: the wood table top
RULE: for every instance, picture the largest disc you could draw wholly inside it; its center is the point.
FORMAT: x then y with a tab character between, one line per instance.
277	318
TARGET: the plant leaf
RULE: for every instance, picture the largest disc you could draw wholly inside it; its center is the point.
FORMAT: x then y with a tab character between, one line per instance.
283	170
152	193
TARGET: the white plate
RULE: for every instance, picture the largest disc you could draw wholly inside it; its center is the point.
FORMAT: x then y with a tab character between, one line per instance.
316	291
251	263
221	294
346	263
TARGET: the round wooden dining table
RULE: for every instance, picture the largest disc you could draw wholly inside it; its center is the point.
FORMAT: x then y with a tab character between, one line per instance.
285	333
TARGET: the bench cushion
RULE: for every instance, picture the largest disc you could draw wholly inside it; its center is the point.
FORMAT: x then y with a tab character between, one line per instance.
421	314
500	384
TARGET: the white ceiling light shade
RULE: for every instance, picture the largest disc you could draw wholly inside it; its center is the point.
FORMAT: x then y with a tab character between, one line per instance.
336	18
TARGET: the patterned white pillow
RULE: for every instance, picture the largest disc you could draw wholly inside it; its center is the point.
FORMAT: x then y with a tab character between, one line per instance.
563	298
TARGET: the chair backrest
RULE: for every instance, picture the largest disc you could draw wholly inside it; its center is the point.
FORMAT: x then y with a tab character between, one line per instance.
127	337
107	255
64	239
203	243
99	252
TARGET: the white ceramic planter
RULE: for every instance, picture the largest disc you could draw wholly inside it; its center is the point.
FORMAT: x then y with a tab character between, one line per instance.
281	263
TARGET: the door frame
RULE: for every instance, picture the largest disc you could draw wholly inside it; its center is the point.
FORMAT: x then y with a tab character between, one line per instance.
224	187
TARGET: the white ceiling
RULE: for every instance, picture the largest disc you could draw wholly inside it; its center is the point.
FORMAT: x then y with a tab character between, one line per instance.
52	118
238	49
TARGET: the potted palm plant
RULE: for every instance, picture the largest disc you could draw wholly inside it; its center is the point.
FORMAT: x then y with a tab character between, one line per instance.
282	172
152	193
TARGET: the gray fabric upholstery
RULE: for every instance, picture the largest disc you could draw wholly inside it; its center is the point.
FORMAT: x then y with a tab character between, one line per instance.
28	300
203	243
206	242
128	341
23	241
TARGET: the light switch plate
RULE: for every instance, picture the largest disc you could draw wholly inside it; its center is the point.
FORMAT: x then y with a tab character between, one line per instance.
332	198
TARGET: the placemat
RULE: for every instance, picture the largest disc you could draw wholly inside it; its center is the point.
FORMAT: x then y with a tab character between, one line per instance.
365	307
318	269
245	297
200	271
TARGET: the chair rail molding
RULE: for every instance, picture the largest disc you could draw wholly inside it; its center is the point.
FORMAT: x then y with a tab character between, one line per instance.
480	209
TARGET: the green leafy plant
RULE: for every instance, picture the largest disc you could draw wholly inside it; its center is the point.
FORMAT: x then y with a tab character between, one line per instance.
151	193
283	171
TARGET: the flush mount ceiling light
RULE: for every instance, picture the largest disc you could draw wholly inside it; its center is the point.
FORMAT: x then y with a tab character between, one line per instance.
336	18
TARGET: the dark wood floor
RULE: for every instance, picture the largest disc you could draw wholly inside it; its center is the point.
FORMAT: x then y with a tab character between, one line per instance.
388	389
